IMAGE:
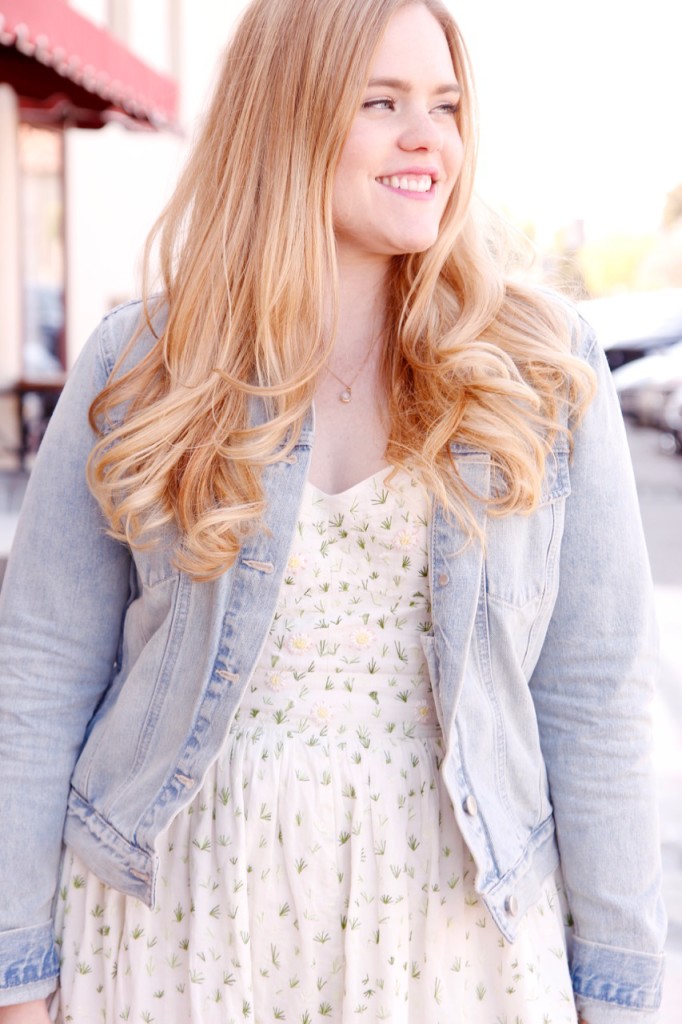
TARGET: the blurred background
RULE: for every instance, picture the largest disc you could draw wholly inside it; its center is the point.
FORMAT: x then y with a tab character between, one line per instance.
581	149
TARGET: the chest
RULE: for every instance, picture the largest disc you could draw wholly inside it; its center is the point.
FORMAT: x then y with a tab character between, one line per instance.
350	437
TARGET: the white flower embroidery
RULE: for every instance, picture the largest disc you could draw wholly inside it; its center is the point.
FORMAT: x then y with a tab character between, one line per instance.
422	711
296	563
405	539
322	714
361	638
299	643
276	681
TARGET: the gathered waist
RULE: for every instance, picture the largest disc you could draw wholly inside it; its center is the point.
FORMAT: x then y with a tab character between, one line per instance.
337	707
328	724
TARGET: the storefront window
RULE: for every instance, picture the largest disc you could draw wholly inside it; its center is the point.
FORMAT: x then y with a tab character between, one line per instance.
41	161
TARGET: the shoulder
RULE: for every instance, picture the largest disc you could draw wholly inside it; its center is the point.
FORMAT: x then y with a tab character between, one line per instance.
127	333
582	336
124	337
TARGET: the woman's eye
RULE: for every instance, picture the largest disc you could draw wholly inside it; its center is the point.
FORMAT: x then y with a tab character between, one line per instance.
448	108
378	104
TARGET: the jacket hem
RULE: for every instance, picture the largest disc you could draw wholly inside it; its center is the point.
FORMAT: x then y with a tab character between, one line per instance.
29	965
519	889
112	858
622	978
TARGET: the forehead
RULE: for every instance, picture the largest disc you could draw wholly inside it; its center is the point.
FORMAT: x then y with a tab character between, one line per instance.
414	43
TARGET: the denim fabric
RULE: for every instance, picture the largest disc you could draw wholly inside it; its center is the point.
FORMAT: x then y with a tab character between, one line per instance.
120	677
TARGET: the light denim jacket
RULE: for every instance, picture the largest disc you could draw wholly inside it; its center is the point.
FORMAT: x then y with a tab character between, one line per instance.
120	677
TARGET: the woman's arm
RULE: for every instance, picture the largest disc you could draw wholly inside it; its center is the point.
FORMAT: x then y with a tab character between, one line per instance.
34	1012
593	688
61	608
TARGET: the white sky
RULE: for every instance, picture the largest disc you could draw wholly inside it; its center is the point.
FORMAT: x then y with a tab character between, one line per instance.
581	107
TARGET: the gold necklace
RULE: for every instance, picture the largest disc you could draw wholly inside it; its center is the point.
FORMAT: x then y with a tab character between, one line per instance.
346	395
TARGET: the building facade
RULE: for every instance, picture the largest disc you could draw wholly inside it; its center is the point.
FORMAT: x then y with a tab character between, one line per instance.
98	104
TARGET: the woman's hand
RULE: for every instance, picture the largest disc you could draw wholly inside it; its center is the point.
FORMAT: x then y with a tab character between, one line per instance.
25	1013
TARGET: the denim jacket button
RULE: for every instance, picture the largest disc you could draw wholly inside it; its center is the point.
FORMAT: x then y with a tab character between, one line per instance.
470	805
443	579
511	905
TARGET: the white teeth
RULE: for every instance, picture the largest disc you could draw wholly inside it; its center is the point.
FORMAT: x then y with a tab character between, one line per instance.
418	183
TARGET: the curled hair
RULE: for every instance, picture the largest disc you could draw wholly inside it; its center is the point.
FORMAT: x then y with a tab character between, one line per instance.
247	255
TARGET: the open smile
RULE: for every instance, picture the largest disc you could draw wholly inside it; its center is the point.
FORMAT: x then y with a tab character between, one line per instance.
420	184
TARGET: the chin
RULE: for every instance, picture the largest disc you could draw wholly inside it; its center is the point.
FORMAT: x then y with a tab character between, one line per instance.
417	241
417	244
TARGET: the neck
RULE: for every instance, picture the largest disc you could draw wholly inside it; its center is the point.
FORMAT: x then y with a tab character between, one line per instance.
362	311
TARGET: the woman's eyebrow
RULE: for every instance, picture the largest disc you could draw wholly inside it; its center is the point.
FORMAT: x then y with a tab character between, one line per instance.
403	86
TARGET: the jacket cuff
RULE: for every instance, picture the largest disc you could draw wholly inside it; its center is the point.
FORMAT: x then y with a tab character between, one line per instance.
613	985
29	965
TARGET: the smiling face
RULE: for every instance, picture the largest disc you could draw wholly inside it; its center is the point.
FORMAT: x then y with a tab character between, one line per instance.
403	154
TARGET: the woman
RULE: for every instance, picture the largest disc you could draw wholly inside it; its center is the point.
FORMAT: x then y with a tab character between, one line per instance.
297	688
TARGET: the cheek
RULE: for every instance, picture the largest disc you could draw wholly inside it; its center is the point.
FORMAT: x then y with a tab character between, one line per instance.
351	180
361	151
454	156
351	163
453	159
342	196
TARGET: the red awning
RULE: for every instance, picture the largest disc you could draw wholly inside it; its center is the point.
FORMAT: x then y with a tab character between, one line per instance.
66	70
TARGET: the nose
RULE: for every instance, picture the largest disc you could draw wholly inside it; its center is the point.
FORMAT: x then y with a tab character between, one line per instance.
420	132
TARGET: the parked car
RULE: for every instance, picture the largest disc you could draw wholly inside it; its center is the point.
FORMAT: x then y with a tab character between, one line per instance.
632	325
645	385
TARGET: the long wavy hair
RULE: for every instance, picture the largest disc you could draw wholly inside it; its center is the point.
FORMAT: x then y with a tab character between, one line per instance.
248	265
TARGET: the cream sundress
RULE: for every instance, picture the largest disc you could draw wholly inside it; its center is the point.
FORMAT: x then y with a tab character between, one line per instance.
319	873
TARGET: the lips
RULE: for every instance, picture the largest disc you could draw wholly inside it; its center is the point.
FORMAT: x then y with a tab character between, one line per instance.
408	182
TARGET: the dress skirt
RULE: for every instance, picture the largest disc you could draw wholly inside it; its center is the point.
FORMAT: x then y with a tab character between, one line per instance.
319	873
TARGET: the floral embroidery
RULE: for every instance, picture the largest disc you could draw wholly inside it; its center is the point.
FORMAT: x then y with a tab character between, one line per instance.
275	681
362	638
422	711
405	540
299	643
322	713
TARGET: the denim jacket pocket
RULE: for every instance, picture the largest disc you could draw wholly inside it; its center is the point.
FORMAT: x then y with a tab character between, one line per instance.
522	569
521	549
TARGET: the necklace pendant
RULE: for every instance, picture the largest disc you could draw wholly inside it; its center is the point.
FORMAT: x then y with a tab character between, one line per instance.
345	396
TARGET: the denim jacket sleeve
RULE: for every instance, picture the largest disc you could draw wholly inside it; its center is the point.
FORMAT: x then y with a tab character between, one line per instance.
62	601
593	688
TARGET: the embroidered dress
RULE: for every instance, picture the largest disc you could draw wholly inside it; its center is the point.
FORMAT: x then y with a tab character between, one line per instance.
319	872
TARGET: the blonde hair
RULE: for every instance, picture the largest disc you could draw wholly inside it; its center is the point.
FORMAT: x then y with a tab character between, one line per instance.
247	256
